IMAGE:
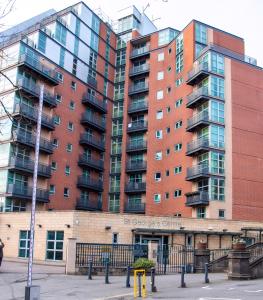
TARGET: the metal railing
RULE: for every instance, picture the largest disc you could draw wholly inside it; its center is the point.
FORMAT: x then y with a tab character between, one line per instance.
140	51
88	204
218	253
256	251
134	207
95	163
198	198
203	116
92	81
135	186
198	170
98	122
91	140
25	192
139	69
136	145
201	67
139	87
137	106
201	92
85	181
203	143
100	104
139	165
135	126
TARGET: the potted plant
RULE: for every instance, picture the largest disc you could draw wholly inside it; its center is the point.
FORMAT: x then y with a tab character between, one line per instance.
143	264
238	244
202	245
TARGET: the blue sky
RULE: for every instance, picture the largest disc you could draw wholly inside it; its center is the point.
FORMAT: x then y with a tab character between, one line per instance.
240	17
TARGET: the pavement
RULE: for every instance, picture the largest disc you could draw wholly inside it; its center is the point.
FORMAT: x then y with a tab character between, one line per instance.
55	285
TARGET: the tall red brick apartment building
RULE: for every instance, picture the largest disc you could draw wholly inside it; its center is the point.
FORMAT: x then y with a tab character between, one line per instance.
135	120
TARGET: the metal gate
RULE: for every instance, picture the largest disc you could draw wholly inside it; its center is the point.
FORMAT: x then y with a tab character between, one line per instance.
171	258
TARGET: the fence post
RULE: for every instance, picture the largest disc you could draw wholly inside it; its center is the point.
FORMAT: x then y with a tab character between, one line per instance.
128	277
107	272
71	256
182	277
153	287
206	273
90	269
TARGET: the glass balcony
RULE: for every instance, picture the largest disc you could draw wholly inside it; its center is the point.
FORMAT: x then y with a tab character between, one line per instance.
89	140
135	187
92	101
197	199
31	113
88	183
136	146
35	65
26	165
139	70
139	52
33	90
89	204
25	193
28	139
85	161
137	126
139	88
198	172
198	121
95	122
201	145
198	73
131	207
135	107
138	166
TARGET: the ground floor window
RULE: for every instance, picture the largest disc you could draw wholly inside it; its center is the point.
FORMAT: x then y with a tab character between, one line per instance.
55	245
24	241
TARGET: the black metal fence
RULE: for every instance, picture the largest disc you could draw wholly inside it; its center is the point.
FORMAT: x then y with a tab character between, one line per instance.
119	255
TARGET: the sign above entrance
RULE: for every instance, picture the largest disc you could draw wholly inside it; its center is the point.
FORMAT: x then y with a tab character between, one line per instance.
151	223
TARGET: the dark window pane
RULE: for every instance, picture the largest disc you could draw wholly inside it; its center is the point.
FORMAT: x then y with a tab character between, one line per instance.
51	235
60	235
50	245
59	255
59	245
50	255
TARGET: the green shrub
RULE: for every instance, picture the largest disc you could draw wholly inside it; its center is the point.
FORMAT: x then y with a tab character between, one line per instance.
143	263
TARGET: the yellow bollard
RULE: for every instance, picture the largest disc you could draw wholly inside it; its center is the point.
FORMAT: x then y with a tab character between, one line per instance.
143	284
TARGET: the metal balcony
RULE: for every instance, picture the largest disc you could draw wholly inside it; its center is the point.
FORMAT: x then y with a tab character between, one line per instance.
139	52
32	90
139	166
139	88
26	166
25	193
88	204
197	199
31	113
136	146
89	140
198	97
36	66
139	70
198	172
92	101
198	121
28	139
92	81
198	73
96	164
88	183
135	187
202	145
137	126
95	122
138	208
135	107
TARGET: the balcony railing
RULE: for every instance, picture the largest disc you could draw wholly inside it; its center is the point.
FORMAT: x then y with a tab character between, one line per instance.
94	121
88	204
92	81
197	97
200	119
90	140
198	73
136	146
27	165
140	51
137	126
33	89
131	207
197	198
28	139
32	114
34	64
97	164
136	166
135	187
92	184
138	106
201	145
25	192
100	105
137	70
197	171
139	88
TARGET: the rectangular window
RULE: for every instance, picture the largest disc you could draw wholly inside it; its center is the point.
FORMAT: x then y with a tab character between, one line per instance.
66	192
55	143
158	176
62	57
57	120
52	189
217	111
167	195
58	98
67	170
53	166
77	28
179	81
179	43
217	63
76	46
201	213
217	87
61	33
178	103
24	242
74	66
54	250
217	136
94	41
177	193
95	23
160	75
178	124
178	170
159	115
221	213
200	33
157	198
159	95
60	76
73	85
115	238
42	42
159	155
71	105
161	56
178	147
159	134
217	189
179	62
69	147
70	126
